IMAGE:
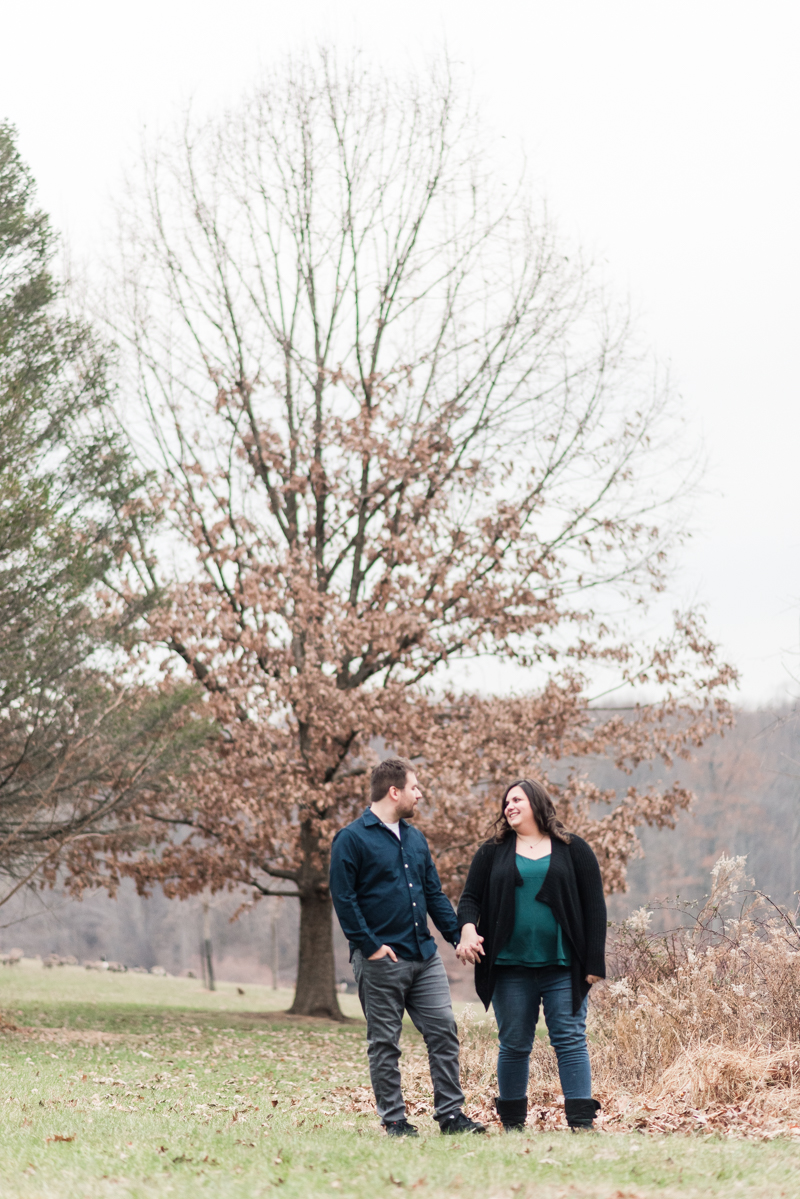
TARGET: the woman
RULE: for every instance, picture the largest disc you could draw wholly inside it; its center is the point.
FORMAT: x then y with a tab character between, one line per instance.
533	922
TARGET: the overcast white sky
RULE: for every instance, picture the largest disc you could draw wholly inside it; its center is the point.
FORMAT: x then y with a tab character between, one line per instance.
665	136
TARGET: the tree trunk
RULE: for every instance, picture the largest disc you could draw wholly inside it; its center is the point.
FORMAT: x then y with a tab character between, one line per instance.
316	976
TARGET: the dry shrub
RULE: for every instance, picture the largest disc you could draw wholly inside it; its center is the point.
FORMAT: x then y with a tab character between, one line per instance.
709	1075
698	1025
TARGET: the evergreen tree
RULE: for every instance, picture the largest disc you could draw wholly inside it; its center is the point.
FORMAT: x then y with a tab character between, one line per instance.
77	739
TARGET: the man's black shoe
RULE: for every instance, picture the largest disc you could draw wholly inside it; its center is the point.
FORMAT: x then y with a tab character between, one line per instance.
460	1123
400	1128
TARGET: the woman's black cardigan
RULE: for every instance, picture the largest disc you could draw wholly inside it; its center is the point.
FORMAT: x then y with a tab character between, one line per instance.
573	889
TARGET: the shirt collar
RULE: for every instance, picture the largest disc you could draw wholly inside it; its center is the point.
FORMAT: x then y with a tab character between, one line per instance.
369	817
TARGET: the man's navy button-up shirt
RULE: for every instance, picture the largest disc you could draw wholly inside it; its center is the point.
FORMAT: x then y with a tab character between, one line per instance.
383	889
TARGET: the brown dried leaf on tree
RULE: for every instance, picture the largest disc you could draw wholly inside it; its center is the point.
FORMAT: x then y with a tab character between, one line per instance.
395	427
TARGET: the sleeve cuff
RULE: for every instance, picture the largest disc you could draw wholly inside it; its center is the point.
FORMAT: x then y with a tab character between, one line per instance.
369	947
466	916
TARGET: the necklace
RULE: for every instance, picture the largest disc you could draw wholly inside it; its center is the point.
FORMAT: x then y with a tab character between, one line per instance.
542	837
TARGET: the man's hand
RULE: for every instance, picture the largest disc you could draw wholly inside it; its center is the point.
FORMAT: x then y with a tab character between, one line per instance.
593	978
384	952
470	948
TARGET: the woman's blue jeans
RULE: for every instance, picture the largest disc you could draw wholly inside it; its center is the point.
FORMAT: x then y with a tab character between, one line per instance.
518	993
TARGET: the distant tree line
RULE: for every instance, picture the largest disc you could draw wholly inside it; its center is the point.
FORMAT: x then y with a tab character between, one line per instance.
747	802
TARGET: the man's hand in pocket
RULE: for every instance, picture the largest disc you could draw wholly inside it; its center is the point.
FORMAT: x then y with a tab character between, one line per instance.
383	952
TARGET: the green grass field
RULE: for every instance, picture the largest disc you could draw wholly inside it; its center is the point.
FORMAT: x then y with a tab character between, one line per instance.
130	1085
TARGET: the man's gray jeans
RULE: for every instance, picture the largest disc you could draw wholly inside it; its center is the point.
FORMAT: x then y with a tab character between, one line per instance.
385	988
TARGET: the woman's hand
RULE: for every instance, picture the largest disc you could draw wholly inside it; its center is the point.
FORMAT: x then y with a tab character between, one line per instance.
593	978
470	948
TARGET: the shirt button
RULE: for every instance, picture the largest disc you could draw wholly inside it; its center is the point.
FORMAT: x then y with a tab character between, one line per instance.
413	905
406	865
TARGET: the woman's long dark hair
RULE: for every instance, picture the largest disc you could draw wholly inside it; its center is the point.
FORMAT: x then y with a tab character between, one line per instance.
544	813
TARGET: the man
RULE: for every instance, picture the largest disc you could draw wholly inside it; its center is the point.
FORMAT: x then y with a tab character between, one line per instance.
383	884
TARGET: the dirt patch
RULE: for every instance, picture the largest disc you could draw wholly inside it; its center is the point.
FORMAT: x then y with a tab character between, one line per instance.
289	1018
247	1020
70	1036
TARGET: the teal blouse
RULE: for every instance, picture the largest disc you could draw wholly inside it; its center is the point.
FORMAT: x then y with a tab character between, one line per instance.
537	939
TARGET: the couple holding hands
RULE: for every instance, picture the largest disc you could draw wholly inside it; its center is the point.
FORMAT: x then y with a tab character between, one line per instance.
531	919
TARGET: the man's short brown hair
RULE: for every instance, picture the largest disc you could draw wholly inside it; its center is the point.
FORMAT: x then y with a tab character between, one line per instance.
393	772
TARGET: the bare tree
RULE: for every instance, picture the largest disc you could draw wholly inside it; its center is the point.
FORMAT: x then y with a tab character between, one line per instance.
396	426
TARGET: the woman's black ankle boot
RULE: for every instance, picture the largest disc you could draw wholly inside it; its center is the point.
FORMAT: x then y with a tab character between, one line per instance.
513	1113
580	1113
